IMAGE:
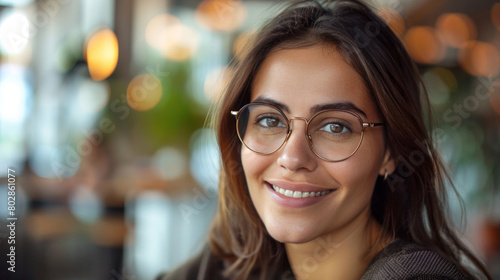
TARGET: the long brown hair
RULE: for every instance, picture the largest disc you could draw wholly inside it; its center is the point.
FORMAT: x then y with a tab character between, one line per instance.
410	204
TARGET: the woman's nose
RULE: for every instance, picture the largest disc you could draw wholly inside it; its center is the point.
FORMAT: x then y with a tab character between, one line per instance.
296	154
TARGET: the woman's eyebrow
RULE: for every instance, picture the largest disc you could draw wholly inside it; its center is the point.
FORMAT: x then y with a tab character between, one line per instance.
344	105
273	102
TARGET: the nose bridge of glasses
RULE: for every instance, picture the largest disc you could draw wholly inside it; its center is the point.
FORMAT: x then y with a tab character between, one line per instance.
306	121
298	118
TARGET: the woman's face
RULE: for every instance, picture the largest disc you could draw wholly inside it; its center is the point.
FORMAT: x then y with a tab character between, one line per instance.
301	80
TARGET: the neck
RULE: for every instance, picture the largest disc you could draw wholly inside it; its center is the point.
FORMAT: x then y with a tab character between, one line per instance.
343	254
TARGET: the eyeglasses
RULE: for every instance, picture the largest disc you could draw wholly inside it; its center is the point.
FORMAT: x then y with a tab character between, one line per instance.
332	135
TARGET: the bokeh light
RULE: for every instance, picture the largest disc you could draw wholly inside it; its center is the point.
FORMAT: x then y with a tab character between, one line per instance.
240	43
424	44
15	2
170	163
14	91
85	204
23	58
157	30
182	44
205	158
215	82
393	19
221	15
16	105
174	40
447	77
102	54
49	161
480	59
14	32
456	29
93	96
144	92
440	82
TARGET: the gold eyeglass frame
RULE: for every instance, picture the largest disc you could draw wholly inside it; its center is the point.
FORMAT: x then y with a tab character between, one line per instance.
364	125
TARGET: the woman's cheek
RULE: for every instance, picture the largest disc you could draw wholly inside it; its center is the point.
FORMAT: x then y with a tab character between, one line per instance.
253	165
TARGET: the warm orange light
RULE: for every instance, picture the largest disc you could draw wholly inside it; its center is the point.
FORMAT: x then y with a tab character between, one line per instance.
158	28
393	19
144	92
495	95
182	43
102	54
174	41
480	59
216	81
495	15
221	15
424	45
457	29
22	58
240	43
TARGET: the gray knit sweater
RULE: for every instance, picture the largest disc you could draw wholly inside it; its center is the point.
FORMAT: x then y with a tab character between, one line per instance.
399	260
405	260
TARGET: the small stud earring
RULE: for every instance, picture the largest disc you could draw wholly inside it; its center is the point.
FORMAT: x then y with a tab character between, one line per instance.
385	175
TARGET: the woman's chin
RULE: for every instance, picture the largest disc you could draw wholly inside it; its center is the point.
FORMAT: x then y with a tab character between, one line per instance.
285	235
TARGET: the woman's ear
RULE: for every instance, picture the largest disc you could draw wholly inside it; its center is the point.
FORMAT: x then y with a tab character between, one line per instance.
388	165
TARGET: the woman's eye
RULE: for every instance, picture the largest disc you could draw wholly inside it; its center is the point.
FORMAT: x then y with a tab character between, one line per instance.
271	122
336	128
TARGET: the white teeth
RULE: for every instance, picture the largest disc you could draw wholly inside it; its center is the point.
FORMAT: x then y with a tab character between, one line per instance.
298	194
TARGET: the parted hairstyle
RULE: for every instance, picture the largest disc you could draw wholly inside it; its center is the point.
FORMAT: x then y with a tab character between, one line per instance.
409	205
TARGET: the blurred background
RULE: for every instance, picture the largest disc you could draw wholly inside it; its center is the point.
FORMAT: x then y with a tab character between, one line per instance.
102	118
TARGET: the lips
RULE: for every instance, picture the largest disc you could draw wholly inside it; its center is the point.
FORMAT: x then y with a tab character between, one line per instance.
296	195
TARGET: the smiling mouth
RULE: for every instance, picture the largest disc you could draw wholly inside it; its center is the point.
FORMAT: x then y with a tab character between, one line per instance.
299	194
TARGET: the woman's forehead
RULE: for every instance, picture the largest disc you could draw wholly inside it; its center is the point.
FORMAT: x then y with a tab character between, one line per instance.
305	77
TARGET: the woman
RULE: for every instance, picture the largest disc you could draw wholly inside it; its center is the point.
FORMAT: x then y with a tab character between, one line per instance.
328	171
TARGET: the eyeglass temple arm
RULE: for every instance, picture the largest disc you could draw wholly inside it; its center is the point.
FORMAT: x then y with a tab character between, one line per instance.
235	113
